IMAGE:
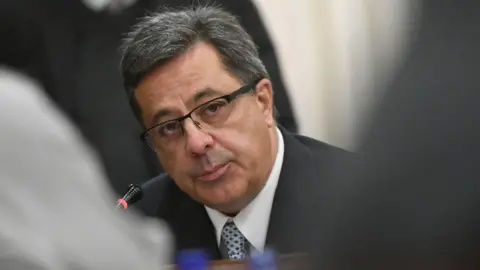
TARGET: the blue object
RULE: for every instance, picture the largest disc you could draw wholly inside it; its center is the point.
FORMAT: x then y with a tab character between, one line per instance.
194	259
263	261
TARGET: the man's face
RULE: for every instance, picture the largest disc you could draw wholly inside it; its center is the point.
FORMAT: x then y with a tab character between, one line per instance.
222	167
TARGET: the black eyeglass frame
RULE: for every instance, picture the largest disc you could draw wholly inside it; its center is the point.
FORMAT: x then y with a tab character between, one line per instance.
229	98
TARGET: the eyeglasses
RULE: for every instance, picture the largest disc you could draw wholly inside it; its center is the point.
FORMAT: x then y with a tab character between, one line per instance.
208	116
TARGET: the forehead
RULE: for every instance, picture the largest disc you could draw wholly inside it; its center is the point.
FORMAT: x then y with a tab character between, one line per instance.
174	84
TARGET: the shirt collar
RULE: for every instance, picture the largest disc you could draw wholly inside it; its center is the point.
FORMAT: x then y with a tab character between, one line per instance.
253	220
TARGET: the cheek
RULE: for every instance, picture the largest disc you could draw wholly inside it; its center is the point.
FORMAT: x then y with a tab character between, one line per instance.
243	133
247	136
245	147
235	141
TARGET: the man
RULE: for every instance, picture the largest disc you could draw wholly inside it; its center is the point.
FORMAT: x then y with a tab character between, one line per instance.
235	181
57	209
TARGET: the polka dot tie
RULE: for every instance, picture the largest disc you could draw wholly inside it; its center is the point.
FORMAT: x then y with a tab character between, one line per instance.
234	241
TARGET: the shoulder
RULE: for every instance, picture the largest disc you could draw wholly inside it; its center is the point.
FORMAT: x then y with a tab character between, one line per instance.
295	142
316	144
307	171
307	158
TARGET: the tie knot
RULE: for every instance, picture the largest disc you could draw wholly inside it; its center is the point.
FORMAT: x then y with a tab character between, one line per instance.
230	224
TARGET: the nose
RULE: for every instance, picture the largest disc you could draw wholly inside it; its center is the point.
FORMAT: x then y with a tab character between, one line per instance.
197	141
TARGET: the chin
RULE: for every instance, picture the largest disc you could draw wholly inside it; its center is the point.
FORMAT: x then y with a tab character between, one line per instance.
228	207
225	193
217	201
226	201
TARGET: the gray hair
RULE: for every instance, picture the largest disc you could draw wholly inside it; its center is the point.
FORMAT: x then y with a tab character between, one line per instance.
159	37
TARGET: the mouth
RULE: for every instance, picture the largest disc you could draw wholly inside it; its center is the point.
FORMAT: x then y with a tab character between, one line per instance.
214	173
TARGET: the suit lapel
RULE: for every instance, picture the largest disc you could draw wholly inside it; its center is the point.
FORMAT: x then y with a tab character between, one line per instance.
285	230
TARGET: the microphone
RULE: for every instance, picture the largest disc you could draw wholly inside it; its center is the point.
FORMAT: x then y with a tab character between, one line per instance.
133	195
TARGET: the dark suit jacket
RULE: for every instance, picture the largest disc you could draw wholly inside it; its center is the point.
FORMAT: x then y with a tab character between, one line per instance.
74	53
296	197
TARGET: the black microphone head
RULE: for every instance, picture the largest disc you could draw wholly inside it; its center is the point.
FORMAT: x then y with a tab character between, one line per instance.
132	195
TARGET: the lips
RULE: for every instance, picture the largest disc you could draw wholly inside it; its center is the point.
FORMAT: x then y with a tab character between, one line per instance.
214	173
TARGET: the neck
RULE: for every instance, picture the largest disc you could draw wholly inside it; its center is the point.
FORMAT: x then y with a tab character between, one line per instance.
230	214
274	147
274	141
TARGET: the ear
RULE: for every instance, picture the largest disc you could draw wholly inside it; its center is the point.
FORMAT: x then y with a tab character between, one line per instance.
265	100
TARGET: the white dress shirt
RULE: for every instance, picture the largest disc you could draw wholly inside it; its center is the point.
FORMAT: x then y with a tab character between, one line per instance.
253	220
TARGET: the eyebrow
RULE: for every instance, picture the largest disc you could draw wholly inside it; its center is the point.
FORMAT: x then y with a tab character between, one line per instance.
205	92
158	115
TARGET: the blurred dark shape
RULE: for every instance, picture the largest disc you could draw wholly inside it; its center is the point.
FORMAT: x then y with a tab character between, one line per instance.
412	199
74	53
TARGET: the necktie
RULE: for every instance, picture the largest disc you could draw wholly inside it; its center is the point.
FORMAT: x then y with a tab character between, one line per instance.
234	241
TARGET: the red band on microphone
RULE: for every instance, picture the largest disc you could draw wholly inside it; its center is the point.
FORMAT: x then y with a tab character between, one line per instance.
123	203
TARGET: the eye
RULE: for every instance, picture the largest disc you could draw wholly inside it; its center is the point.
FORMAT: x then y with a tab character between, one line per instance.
213	108
169	129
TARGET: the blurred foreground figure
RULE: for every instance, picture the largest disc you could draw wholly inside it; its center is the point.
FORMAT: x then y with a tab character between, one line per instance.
413	202
56	211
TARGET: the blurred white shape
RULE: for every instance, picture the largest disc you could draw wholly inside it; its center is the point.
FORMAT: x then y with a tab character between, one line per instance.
334	55
293	29
100	5
56	209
